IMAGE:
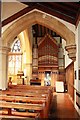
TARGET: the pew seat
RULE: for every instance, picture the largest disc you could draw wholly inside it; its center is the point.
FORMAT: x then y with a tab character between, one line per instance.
24	99
16	113
13	117
38	108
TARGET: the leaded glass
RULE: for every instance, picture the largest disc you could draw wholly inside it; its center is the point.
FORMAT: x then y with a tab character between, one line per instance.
16	47
15	58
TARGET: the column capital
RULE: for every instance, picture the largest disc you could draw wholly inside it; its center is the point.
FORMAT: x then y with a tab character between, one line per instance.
5	49
71	49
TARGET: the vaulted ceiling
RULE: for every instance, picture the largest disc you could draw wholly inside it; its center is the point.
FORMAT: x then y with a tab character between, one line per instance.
68	11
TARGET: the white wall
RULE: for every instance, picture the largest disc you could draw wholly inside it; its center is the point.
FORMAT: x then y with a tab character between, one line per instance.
77	64
79	54
10	8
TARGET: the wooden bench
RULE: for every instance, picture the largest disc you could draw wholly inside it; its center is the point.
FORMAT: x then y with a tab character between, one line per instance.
44	89
7	117
26	94
36	95
36	89
39	93
23	99
30	86
33	100
4	112
38	108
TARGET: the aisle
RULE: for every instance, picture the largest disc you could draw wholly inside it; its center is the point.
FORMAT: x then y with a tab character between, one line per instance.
63	108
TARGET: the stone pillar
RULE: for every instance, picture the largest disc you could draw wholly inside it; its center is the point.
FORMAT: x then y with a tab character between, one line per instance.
3	67
61	58
35	62
71	51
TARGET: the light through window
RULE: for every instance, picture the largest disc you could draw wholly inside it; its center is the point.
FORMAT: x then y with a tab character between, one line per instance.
15	58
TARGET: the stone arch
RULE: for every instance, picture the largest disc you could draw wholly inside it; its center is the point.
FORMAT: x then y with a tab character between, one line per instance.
37	17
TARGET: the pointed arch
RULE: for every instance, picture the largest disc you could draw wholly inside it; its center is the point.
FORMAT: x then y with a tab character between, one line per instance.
38	17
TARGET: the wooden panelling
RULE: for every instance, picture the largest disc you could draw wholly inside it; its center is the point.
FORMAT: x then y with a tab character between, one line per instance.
70	79
61	76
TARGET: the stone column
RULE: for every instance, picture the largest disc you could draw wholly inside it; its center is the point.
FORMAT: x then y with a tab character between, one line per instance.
4	67
35	61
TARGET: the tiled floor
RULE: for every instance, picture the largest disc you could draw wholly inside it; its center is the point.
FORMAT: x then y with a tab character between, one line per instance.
62	108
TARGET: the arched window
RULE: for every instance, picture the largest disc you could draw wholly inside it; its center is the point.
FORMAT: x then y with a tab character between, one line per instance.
15	58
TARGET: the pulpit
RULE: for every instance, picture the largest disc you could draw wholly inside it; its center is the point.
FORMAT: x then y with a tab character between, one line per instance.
20	76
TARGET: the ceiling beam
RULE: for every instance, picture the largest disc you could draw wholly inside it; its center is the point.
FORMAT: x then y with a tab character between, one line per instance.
55	13
73	5
17	15
62	8
45	7
67	7
77	18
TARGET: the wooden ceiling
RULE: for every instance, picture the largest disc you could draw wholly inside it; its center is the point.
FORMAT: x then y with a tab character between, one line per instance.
68	11
41	31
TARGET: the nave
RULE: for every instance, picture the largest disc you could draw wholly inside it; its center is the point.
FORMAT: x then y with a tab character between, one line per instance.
57	105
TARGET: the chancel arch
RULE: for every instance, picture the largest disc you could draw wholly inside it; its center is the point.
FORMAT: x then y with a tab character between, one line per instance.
37	17
52	23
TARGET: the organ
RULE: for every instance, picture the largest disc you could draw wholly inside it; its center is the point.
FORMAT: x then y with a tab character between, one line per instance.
45	59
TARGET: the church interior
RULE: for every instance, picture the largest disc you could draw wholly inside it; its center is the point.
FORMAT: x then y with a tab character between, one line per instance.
40	60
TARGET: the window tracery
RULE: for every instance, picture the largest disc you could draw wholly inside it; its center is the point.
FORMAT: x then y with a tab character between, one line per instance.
15	58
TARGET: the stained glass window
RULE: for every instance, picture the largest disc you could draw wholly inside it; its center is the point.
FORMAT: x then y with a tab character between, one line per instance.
15	58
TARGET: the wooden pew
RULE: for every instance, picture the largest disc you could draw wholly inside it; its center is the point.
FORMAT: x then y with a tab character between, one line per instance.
30	87
39	92
7	117
23	99
32	91
44	89
39	108
4	113
33	100
35	89
26	94
38	95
